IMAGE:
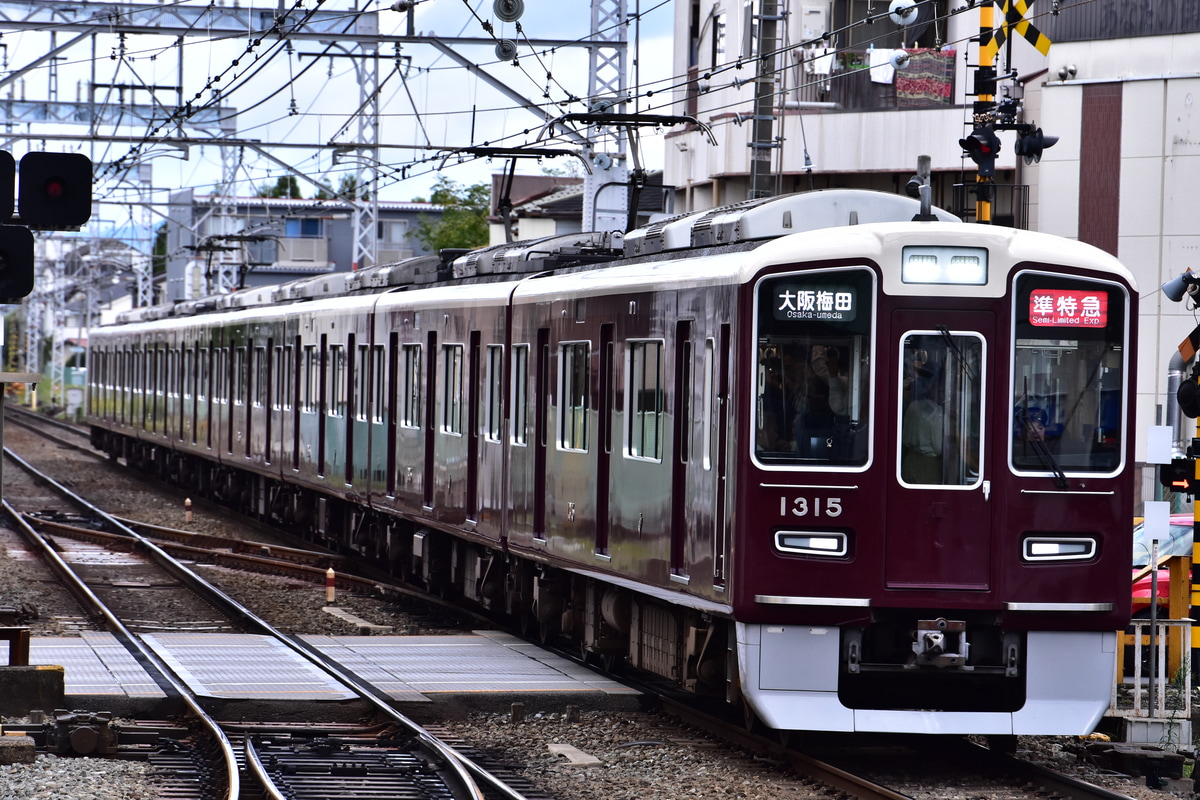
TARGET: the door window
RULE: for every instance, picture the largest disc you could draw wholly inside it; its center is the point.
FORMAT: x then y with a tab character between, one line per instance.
941	408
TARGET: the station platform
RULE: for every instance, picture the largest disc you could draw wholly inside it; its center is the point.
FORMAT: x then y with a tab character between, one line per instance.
474	669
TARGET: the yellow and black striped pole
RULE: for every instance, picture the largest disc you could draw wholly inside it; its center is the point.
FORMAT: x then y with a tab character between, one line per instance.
985	82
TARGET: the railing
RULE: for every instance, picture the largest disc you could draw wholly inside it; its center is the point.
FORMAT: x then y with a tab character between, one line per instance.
1171	695
846	79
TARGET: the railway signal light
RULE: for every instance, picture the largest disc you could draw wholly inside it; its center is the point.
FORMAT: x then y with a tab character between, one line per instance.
1179	475
8	185
1030	145
982	146
55	190
16	263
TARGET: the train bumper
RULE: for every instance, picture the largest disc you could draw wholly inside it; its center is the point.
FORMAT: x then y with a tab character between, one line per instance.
790	679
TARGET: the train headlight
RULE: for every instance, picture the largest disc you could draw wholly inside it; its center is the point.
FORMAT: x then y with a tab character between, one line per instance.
822	543
1057	548
945	265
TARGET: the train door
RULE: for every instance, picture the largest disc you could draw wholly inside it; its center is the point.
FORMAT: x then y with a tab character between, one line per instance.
608	367
681	435
938	525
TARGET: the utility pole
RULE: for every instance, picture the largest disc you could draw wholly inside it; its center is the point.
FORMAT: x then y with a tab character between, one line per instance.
607	91
763	143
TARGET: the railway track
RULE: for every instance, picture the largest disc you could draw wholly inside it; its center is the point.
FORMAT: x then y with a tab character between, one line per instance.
426	766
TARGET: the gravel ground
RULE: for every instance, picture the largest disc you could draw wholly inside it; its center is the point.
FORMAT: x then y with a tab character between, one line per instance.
53	778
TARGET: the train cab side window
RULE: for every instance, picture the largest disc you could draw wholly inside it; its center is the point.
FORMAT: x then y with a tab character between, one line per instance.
812	370
1069	383
573	397
644	401
941	407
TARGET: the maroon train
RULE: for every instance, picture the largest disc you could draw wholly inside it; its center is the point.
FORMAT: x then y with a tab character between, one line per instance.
854	472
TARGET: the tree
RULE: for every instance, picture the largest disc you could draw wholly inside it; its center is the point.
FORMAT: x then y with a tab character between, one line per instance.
159	262
464	216
286	186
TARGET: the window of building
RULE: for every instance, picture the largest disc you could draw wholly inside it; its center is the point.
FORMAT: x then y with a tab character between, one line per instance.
304	228
393	231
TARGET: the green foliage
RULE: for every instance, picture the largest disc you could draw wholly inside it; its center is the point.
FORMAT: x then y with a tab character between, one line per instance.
464	218
159	260
348	189
286	186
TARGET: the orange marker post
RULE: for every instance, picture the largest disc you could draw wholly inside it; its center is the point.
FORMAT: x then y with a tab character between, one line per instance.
330	580
187	509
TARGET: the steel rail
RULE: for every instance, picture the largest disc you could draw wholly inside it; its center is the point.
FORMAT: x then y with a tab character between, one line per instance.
129	641
461	768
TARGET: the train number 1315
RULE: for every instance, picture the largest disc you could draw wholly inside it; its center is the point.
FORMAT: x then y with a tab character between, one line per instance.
815	507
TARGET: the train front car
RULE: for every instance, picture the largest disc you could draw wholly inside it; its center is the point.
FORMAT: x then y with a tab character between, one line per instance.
933	515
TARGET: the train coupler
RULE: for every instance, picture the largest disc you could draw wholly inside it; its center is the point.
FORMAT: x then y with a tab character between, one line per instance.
940	643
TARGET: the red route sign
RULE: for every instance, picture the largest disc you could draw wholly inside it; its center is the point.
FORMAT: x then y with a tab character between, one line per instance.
1068	308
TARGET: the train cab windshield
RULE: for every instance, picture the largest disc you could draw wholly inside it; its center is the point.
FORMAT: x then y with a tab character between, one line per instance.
1068	379
812	369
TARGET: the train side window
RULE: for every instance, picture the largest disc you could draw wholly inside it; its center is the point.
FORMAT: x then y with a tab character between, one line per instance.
1069	381
202	374
361	376
708	399
260	377
495	392
520	394
220	376
573	397
452	408
941	408
378	384
239	376
337	380
309	396
812	368
644	400
410	387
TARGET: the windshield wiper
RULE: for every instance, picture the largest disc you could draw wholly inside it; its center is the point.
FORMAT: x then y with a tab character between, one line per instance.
1035	439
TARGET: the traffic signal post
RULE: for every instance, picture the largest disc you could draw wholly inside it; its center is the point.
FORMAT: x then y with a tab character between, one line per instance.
55	193
982	145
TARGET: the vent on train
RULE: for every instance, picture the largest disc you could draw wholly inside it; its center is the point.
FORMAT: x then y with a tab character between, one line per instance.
537	255
768	218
